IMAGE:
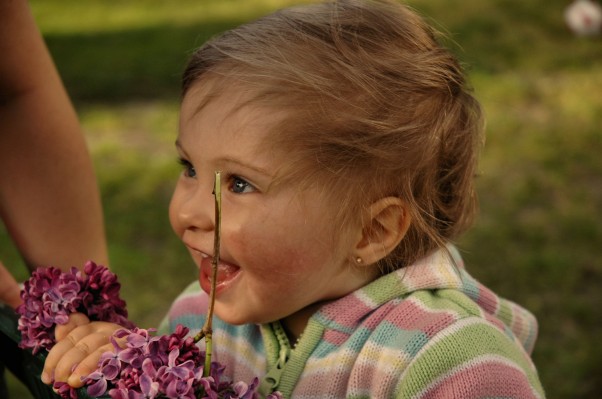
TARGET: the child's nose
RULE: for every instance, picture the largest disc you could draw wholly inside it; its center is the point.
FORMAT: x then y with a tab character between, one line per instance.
196	209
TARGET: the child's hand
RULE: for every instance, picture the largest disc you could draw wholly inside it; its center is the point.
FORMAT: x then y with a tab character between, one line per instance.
79	345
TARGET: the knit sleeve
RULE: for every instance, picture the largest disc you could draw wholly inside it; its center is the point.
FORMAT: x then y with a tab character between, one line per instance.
188	309
470	359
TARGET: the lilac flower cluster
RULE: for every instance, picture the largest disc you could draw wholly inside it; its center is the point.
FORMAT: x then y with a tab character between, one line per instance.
141	365
51	295
167	366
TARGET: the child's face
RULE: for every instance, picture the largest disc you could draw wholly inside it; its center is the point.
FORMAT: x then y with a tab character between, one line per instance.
280	249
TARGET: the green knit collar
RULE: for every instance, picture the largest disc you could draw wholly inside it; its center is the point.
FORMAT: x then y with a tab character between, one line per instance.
285	364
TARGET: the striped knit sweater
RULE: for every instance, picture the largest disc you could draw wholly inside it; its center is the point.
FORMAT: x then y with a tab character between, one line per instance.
426	331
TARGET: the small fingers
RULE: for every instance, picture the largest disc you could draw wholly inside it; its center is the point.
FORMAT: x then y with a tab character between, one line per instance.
75	320
77	354
87	366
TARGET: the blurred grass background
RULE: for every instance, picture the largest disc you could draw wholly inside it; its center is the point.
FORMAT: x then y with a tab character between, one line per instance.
538	238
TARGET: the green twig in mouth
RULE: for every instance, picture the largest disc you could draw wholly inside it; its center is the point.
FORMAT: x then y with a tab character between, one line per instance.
207	330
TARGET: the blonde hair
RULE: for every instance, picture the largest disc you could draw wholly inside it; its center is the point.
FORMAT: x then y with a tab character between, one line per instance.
376	107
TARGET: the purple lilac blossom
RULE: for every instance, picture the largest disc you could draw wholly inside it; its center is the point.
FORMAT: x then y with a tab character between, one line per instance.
51	295
144	366
167	366
64	390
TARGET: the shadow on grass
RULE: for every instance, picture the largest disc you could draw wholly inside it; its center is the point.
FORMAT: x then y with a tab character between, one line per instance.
512	35
128	65
145	64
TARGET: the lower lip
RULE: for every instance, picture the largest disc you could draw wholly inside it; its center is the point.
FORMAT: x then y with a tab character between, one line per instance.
223	283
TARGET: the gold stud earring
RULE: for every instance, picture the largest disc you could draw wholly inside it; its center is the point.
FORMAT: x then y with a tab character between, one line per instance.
359	260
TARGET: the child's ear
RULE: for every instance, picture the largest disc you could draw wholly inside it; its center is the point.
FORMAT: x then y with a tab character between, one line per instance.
386	222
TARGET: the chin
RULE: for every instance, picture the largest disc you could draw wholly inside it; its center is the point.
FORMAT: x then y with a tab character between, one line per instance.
239	319
231	317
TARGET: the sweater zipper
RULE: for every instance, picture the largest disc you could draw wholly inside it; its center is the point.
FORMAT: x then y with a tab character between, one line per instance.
271	380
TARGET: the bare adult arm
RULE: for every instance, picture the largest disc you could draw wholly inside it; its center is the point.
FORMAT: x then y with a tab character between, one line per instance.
49	197
10	292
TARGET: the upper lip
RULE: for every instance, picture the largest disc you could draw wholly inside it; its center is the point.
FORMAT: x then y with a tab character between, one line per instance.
202	253
195	249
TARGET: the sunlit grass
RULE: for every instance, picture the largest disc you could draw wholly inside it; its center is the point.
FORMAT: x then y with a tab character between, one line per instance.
80	17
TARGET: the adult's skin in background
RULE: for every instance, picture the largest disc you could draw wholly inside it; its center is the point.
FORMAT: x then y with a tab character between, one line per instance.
49	196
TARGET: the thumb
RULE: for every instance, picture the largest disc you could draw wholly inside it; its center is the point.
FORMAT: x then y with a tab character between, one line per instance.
75	320
10	291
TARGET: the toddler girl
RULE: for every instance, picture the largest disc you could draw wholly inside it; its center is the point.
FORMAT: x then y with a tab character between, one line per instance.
348	140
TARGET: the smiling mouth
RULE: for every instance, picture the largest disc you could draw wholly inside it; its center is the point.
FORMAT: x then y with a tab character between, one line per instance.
226	273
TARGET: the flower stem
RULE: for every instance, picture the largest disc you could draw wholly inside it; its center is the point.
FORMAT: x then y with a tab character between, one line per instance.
207	330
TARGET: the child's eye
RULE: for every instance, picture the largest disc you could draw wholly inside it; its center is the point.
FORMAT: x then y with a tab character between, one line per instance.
240	186
189	170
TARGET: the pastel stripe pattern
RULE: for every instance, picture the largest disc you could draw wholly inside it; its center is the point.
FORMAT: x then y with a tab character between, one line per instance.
426	331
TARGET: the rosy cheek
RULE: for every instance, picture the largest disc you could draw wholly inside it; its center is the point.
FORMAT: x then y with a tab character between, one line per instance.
268	255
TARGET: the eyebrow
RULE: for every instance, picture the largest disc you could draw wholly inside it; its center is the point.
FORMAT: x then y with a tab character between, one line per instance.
229	160
179	146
